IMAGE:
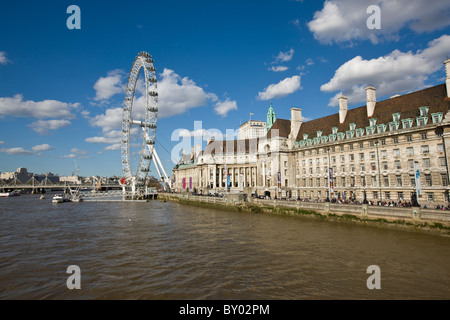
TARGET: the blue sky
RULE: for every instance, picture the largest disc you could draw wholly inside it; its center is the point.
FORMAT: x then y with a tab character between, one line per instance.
61	90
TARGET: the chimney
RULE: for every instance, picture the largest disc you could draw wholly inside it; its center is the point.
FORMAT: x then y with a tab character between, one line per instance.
447	78
342	108
371	100
296	122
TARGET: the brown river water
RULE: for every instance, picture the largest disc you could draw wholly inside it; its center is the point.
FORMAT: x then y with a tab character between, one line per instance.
163	250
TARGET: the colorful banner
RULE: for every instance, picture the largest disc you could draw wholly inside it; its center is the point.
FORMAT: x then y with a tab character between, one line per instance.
190	183
330	180
279	181
417	178
184	183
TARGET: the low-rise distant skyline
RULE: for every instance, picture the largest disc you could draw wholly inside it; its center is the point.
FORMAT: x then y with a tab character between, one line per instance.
61	90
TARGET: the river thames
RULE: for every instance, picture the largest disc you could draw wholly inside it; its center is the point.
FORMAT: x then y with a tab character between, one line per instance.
163	250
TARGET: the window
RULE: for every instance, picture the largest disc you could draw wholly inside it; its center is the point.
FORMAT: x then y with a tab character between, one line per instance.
372	154
375	194
444	179
374	181
393	126
334	130
411	163
319	133
352	157
333	159
350	146
342	158
409	138
383	153
421	121
430	196
412	179
442	161
407	123
423	111
410	151
383	142
384	165
359	132
318	182
372	166
373	122
361	145
352	181
396	117
352	126
440	147
363	181
425	149
285	163
396	152
361	156
386	181
428	181
343	182
436	117
387	195
370	130
352	168
342	168
363	167
397	164
395	140
424	136
426	162
381	128
399	181
401	196
305	136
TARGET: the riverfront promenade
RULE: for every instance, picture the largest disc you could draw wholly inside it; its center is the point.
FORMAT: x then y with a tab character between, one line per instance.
413	218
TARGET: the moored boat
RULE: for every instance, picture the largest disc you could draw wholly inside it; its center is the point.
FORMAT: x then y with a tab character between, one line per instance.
9	194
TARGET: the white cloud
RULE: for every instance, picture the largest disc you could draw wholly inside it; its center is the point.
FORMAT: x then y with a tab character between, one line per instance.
78	151
281	89
284	56
346	20
43	126
222	108
278	68
102	140
115	146
3	59
42	147
74	156
177	95
17	107
2	142
394	73
17	151
108	86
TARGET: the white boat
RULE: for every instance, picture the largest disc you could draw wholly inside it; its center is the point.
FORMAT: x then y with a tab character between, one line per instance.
9	194
59	198
42	197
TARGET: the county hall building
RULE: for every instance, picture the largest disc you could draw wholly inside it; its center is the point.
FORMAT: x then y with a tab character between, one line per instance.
383	151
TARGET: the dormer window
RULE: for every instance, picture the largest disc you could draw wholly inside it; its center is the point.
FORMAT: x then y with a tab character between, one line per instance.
350	134
305	136
407	123
393	126
340	135
423	111
352	126
359	132
370	130
324	139
436	117
373	122
396	117
421	121
319	133
332	137
334	130
381	128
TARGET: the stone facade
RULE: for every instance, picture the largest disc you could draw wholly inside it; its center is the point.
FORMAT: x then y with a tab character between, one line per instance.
373	152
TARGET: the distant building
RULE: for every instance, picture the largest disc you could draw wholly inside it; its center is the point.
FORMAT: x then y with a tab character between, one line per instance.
252	129
383	151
